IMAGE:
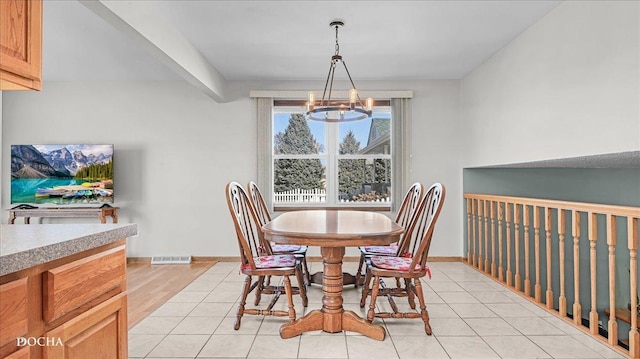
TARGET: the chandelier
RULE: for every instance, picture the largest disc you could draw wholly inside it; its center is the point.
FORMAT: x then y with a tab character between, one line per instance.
332	110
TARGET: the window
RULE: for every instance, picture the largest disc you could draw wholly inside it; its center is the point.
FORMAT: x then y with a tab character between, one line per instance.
331	164
383	162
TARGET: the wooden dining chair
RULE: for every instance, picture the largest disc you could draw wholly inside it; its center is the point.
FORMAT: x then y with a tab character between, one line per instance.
405	215
260	262
410	267
264	217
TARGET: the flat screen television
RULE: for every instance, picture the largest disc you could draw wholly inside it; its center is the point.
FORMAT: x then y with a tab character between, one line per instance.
54	175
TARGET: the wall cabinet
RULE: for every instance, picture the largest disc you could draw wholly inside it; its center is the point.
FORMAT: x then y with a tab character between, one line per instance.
20	44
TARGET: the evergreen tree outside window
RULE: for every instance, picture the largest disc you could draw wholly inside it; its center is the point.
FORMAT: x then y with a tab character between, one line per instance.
331	164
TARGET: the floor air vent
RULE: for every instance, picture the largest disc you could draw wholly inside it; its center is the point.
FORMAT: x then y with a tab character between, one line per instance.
171	260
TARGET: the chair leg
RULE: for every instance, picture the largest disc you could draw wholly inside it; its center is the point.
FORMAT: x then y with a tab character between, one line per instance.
365	288
374	294
302	287
410	295
259	290
243	301
305	268
359	271
287	289
423	307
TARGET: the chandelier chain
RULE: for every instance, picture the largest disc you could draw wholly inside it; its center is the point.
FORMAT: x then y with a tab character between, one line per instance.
337	44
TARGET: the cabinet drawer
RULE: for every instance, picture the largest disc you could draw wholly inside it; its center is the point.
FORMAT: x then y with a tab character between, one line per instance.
70	286
13	310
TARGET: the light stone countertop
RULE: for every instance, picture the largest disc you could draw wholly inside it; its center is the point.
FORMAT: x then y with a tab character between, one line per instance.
25	246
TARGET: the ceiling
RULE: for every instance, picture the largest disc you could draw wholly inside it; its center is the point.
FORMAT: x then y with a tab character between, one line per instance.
288	40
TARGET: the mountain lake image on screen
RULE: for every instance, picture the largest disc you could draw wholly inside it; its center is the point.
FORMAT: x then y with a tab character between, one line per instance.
61	174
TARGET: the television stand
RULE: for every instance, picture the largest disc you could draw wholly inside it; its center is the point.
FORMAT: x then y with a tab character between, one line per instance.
100	212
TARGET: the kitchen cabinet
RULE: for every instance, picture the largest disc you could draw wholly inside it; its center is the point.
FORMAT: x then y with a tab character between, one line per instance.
20	45
73	303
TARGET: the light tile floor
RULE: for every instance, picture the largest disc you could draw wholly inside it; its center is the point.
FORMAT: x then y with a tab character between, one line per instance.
471	315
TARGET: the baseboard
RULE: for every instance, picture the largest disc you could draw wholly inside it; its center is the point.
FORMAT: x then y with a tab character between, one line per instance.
309	258
193	259
445	259
216	259
138	260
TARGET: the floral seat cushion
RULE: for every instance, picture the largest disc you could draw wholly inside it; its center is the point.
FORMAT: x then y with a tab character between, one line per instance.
396	263
275	261
381	250
284	248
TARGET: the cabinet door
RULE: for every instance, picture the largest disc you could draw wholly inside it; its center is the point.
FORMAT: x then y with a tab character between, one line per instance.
20	44
98	333
24	353
13	310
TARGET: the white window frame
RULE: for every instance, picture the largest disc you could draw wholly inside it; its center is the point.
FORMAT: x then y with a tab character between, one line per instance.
331	158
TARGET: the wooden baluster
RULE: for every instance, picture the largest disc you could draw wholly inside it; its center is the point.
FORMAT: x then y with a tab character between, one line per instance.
612	327
575	230
473	233
562	300
634	336
547	229
527	277
500	217
469	201
487	267
508	219
480	214
593	237
516	222
536	238
494	266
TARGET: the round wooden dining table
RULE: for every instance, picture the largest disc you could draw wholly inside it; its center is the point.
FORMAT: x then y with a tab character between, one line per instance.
332	230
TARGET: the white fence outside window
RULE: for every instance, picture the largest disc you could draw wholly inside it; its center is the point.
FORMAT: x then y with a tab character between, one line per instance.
301	195
317	195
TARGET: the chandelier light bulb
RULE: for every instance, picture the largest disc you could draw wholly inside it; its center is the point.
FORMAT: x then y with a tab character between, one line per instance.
353	94
369	105
312	101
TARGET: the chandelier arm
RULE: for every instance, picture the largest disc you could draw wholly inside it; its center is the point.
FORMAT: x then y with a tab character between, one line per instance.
352	84
331	69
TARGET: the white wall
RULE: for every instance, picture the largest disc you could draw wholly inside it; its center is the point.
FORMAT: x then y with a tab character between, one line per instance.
175	149
568	86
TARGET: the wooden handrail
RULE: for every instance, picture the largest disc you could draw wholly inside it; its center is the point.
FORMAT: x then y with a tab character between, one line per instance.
622	211
515	218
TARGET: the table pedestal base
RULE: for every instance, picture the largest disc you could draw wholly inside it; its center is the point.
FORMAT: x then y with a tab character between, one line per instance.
332	318
314	320
347	278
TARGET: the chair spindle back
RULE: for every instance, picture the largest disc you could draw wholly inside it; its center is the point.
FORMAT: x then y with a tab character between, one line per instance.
259	203
247	225
418	238
409	205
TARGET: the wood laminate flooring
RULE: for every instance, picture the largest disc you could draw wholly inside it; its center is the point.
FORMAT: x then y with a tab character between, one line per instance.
150	286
